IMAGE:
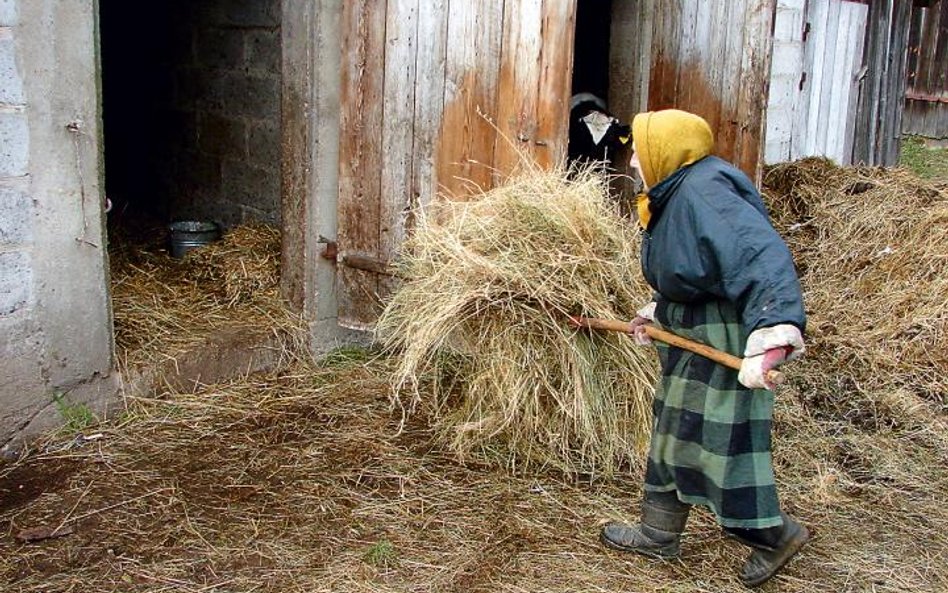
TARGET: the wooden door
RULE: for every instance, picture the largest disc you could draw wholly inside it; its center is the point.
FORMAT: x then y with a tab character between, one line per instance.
712	57
439	97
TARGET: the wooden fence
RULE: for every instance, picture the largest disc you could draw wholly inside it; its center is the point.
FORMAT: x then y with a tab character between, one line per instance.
926	94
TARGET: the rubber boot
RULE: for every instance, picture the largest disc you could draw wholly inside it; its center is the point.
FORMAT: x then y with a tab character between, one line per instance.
658	535
765	561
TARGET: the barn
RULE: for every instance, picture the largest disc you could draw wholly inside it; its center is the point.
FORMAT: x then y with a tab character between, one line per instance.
334	120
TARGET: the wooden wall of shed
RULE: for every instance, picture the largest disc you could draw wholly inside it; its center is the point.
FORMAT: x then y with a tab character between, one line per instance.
710	57
438	96
877	139
817	58
926	95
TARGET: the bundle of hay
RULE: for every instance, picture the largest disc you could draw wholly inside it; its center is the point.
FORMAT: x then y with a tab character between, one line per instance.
872	248
480	320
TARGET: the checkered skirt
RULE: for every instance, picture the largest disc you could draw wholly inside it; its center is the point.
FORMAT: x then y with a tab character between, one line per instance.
710	434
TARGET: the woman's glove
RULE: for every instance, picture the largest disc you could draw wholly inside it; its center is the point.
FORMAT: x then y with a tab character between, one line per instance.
768	348
643	317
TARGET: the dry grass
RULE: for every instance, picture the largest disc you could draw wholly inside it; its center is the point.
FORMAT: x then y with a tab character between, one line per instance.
479	328
302	480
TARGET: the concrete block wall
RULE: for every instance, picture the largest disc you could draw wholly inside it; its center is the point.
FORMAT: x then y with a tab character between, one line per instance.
225	162
55	331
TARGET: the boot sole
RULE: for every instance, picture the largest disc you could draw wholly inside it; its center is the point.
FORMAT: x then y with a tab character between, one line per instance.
799	540
641	551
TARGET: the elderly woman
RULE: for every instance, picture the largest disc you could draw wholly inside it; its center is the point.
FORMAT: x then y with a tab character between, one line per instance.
722	276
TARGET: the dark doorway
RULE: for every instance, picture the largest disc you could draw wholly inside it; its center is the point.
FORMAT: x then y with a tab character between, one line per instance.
591	52
137	92
191	109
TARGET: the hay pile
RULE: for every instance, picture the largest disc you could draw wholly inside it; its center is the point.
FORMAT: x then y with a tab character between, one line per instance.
163	307
872	248
482	311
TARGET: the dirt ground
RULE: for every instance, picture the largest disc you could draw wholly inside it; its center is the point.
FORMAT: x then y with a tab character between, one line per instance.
306	479
300	480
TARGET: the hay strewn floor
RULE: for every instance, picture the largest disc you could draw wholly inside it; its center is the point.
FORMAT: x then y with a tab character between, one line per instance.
299	480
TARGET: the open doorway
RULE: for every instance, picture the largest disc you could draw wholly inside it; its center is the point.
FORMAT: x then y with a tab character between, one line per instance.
191	106
192	121
591	49
599	122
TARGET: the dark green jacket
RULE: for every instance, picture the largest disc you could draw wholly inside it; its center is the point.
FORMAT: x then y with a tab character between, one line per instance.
710	238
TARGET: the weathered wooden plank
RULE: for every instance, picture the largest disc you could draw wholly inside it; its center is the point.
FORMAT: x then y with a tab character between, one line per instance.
938	82
816	50
429	100
518	86
556	57
802	100
360	158
892	124
926	105
663	79
401	33
866	140
466	140
713	36
396	200
857	25
630	57
927	51
837	38
755	73
690	82
879	49
726	135
916	30
785	74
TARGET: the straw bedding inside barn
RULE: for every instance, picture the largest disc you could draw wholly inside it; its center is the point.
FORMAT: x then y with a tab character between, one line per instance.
165	307
305	479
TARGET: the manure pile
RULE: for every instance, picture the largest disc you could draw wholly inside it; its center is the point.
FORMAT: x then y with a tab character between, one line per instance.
478	326
871	245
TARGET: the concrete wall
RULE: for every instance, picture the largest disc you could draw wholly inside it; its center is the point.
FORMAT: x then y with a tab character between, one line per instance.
55	330
229	91
192	108
312	63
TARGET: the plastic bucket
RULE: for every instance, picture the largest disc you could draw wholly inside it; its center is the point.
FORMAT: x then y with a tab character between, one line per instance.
191	234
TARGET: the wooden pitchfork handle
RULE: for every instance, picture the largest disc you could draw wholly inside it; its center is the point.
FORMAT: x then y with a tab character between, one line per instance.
728	360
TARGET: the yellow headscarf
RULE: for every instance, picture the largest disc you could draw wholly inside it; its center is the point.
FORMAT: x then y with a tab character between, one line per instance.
666	141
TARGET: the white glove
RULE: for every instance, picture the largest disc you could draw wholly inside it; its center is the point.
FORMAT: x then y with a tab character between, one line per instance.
643	317
763	339
768	348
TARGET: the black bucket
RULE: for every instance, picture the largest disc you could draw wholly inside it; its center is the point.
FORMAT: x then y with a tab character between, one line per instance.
191	234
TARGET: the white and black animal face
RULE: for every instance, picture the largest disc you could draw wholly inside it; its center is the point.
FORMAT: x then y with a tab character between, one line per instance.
595	135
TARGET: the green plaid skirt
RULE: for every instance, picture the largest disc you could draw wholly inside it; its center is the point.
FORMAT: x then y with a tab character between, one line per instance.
710	434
